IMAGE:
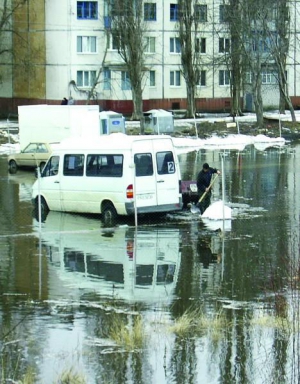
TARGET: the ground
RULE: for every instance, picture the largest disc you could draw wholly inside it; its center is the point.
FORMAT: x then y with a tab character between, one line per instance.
205	129
271	129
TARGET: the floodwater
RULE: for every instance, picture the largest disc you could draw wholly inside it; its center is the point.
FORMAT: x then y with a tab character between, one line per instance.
202	302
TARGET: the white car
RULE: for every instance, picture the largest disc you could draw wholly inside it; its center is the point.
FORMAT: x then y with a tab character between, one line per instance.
33	156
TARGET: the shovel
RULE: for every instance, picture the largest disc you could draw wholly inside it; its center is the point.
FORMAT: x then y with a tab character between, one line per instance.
209	187
194	208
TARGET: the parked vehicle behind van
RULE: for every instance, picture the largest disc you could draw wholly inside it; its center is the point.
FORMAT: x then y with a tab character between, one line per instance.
111	175
33	155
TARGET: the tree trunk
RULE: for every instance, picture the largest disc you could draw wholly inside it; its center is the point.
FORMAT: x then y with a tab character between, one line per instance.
137	99
258	102
191	108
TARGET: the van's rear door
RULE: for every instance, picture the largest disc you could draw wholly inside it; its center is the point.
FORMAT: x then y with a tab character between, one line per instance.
167	172
157	174
145	177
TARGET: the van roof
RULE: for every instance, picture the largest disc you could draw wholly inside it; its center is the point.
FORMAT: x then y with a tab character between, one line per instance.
112	141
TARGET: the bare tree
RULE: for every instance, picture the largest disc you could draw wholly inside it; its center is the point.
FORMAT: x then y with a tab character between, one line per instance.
259	33
127	29
7	9
280	48
234	19
91	93
250	53
189	16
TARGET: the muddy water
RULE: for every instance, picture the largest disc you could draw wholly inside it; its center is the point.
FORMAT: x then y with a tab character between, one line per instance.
66	281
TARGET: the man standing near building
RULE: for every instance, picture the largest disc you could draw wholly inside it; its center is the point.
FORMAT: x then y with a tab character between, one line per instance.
204	186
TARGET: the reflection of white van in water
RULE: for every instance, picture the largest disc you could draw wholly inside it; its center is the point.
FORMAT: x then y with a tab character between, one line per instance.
102	174
124	263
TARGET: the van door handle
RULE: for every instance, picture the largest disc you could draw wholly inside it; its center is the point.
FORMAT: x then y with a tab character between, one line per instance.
56	182
161	181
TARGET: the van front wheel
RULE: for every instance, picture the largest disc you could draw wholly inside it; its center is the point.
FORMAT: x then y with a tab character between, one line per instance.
109	215
44	209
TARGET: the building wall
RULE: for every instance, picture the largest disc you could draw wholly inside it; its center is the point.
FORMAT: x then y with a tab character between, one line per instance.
29	59
45	69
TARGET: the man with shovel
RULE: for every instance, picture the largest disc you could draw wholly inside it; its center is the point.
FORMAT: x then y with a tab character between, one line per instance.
204	185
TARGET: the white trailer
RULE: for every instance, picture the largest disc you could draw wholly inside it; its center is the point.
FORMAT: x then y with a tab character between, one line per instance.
52	123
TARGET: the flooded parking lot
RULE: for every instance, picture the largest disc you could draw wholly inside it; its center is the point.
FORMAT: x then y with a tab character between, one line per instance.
175	300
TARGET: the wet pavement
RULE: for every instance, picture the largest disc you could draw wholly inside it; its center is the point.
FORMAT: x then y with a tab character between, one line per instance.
200	301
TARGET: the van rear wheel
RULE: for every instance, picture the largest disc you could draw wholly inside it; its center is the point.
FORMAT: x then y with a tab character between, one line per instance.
109	215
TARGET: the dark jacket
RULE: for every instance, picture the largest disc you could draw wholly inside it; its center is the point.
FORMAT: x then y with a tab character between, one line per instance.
204	179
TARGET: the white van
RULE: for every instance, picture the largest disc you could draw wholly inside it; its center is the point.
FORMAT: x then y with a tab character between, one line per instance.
110	174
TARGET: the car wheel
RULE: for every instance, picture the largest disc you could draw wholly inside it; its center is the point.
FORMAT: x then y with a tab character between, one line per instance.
44	209
12	166
109	215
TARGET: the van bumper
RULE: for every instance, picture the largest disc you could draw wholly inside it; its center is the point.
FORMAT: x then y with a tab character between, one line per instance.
154	208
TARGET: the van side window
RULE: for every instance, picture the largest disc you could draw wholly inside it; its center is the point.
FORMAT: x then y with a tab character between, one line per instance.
52	167
104	165
73	165
165	163
143	164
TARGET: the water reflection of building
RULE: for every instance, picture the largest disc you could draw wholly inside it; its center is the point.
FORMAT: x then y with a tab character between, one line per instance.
123	263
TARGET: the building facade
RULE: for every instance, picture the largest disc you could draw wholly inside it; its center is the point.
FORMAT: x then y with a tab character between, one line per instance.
69	42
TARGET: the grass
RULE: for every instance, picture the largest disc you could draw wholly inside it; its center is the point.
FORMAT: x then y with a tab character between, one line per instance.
195	322
130	336
276	322
70	377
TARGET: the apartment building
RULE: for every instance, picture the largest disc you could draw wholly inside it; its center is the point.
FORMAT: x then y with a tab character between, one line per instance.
69	41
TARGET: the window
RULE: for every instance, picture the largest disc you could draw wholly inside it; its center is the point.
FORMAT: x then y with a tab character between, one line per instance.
106	79
150	11
165	163
224	13
35	148
73	165
201	13
152	82
143	164
175	45
175	78
87	10
268	77
114	42
150	44
104	165
86	44
125	81
173	12
122	8
86	78
261	44
248	78
224	77
224	45
202	78
201	45
52	167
